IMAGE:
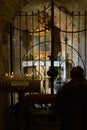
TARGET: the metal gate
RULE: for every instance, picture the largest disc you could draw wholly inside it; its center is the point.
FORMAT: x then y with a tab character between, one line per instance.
47	44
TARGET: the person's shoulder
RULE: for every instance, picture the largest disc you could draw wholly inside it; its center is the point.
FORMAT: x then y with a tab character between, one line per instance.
67	84
83	81
64	87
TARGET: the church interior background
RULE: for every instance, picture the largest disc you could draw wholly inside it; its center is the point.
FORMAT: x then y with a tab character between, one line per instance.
36	45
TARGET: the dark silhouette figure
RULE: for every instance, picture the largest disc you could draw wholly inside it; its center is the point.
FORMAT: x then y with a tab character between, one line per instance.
56	38
72	101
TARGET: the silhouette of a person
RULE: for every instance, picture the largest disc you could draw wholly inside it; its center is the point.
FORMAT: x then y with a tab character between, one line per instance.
72	101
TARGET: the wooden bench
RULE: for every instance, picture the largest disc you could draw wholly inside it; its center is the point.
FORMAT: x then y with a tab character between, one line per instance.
48	100
40	98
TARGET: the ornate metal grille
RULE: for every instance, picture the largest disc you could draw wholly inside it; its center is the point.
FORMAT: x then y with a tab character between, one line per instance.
51	39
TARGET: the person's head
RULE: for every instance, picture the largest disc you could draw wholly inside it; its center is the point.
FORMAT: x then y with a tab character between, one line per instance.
77	73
